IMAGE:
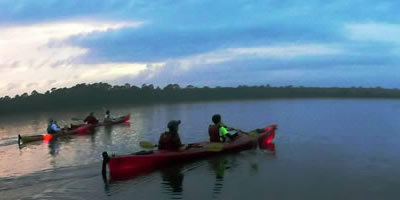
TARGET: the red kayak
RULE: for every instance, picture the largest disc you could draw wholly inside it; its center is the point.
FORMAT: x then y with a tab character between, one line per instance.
126	166
74	130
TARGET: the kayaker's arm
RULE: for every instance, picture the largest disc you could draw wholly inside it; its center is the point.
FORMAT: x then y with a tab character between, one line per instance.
227	127
232	129
55	128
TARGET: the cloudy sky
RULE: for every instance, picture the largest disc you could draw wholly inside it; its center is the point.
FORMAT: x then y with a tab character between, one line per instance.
50	43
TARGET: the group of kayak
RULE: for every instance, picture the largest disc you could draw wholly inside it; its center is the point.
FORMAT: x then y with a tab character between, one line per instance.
90	123
53	127
170	149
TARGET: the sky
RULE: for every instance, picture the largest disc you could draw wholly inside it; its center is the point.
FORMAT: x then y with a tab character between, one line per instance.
53	44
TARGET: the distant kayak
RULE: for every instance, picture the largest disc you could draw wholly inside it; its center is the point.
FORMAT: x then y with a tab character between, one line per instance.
74	130
125	166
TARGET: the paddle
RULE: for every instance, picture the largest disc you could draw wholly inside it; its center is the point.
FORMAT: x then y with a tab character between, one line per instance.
147	145
251	134
214	146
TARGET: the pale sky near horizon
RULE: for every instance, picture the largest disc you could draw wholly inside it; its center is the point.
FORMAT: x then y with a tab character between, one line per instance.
340	43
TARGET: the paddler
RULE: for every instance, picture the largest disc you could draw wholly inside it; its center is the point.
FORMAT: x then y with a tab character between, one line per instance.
218	132
107	116
170	140
91	119
52	127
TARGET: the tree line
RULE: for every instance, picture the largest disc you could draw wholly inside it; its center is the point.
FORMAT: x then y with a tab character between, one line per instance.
103	94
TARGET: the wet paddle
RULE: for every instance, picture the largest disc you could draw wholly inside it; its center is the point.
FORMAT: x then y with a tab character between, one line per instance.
252	134
147	145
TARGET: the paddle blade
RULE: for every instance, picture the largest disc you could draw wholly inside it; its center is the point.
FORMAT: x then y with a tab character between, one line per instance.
215	147
146	144
254	135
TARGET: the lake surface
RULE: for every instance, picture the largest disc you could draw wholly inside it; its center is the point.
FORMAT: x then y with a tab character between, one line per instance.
325	149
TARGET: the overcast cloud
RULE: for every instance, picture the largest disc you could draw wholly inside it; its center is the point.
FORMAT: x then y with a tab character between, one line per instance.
341	43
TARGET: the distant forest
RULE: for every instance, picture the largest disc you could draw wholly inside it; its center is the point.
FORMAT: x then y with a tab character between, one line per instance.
103	94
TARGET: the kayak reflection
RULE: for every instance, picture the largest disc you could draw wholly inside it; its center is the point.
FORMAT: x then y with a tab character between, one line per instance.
218	165
54	146
172	180
107	139
108	131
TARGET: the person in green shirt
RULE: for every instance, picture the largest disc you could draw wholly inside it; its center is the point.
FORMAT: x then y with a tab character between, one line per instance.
218	132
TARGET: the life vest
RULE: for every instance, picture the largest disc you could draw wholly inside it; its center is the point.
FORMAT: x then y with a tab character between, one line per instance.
50	129
91	120
213	132
169	141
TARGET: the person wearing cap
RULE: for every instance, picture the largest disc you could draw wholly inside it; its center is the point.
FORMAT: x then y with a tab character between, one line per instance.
52	127
218	132
91	119
170	140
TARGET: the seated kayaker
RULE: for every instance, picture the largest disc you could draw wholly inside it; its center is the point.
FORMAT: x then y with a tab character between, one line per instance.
218	131
107	116
170	140
91	119
52	127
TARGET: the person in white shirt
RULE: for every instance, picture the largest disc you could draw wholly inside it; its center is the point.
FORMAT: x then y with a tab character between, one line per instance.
107	116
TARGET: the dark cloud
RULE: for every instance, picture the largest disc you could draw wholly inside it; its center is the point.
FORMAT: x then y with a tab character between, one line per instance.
187	28
327	71
26	11
313	63
178	29
150	44
200	12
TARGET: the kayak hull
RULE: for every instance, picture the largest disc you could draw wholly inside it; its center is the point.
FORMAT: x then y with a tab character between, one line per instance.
126	166
118	120
81	130
76	130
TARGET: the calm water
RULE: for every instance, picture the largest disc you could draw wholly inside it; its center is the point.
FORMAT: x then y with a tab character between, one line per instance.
325	149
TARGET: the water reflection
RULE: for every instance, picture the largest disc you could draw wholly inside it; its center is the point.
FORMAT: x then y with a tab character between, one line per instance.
172	181
217	168
218	165
107	185
54	147
93	139
107	139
